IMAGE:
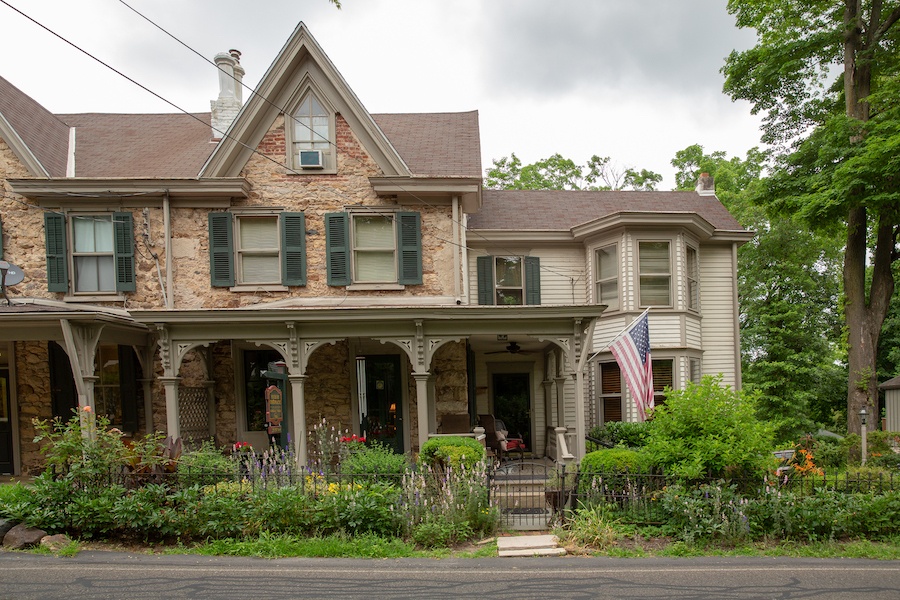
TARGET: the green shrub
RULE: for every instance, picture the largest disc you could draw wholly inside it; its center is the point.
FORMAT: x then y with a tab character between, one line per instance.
432	451
206	465
357	509
374	458
286	510
439	533
622	433
608	464
12	495
829	453
704	513
708	430
616	460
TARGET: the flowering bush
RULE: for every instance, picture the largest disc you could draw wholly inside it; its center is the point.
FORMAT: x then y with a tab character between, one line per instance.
242	447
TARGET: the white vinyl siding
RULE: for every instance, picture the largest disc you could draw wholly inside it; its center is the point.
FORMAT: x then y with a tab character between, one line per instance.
562	275
717	295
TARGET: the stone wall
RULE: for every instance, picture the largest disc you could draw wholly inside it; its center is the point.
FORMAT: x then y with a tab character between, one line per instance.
33	395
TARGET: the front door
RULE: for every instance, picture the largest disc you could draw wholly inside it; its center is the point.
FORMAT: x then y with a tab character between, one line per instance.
252	423
383	414
512	404
6	441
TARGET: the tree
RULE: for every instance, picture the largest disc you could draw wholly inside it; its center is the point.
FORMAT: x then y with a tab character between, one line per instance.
836	133
559	173
789	287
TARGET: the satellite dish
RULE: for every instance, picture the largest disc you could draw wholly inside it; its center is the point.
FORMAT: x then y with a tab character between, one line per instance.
11	274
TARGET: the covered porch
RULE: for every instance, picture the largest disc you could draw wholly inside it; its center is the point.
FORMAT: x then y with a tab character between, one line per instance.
456	358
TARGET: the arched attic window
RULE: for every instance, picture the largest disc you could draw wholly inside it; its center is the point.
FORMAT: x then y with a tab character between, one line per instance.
312	135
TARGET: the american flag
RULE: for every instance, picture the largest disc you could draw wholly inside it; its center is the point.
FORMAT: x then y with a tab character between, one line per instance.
632	352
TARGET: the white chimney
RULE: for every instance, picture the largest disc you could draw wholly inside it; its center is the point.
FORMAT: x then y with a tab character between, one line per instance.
226	107
706	185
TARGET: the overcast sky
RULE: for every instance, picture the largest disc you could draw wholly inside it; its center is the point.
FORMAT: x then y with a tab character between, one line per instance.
633	80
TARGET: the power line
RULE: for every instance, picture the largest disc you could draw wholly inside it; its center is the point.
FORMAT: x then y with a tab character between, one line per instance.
226	135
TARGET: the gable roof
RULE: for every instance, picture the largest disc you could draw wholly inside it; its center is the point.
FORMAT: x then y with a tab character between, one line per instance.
300	60
557	210
36	136
160	145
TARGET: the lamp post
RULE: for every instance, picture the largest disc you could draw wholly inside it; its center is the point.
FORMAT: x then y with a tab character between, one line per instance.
862	423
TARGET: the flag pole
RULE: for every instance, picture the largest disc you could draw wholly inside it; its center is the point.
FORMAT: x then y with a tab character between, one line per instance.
618	335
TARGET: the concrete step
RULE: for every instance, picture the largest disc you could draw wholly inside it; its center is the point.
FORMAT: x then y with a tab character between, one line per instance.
529	545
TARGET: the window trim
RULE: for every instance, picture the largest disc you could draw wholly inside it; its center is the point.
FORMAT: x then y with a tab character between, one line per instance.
617	277
601	396
224	253
487	281
640	276
692	293
329	155
240	252
59	246
339	250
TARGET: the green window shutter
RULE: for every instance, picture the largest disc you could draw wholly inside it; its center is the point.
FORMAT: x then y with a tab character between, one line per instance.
337	247
123	226
532	280
57	262
293	249
221	250
409	248
485	280
1	240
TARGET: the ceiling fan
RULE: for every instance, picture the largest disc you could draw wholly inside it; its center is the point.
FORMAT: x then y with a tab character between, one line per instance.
512	348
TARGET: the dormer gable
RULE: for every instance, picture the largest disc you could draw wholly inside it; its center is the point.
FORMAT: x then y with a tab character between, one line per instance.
302	77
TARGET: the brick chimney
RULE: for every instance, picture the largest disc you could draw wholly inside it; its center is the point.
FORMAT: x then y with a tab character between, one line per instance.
706	185
226	107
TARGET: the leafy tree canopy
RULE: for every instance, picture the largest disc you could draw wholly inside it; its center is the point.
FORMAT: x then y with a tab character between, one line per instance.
559	173
826	75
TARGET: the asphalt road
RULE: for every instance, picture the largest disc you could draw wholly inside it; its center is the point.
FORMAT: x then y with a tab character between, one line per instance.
99	575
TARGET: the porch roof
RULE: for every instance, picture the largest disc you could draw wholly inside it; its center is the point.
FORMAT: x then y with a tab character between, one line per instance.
34	320
355	321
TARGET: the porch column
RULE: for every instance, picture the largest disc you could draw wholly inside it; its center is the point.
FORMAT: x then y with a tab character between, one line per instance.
173	412
422	405
298	406
560	401
548	402
579	447
211	406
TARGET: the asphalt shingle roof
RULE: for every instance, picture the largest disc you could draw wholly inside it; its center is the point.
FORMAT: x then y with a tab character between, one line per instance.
554	210
45	134
435	144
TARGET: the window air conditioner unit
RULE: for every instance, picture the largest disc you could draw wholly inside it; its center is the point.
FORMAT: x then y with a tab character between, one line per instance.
311	159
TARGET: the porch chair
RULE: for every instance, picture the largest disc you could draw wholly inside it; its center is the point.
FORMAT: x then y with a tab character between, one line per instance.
495	439
513	444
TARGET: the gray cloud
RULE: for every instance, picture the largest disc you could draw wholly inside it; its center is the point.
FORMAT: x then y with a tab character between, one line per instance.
678	45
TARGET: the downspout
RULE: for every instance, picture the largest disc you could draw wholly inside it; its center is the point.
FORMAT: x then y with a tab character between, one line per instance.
457	267
167	226
464	252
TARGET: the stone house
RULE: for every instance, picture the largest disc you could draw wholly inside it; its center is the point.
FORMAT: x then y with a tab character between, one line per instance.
179	267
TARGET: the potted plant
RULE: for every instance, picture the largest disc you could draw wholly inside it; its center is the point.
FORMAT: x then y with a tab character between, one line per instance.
558	488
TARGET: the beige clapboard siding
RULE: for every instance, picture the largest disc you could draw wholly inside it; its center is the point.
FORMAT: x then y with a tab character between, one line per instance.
563	273
717	303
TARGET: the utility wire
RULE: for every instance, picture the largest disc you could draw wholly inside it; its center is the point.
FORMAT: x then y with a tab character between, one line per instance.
225	134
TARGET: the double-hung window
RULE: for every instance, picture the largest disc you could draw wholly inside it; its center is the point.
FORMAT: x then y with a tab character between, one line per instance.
509	280
267	249
369	248
663	377
97	249
655	273
692	269
311	129
607	277
610	391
